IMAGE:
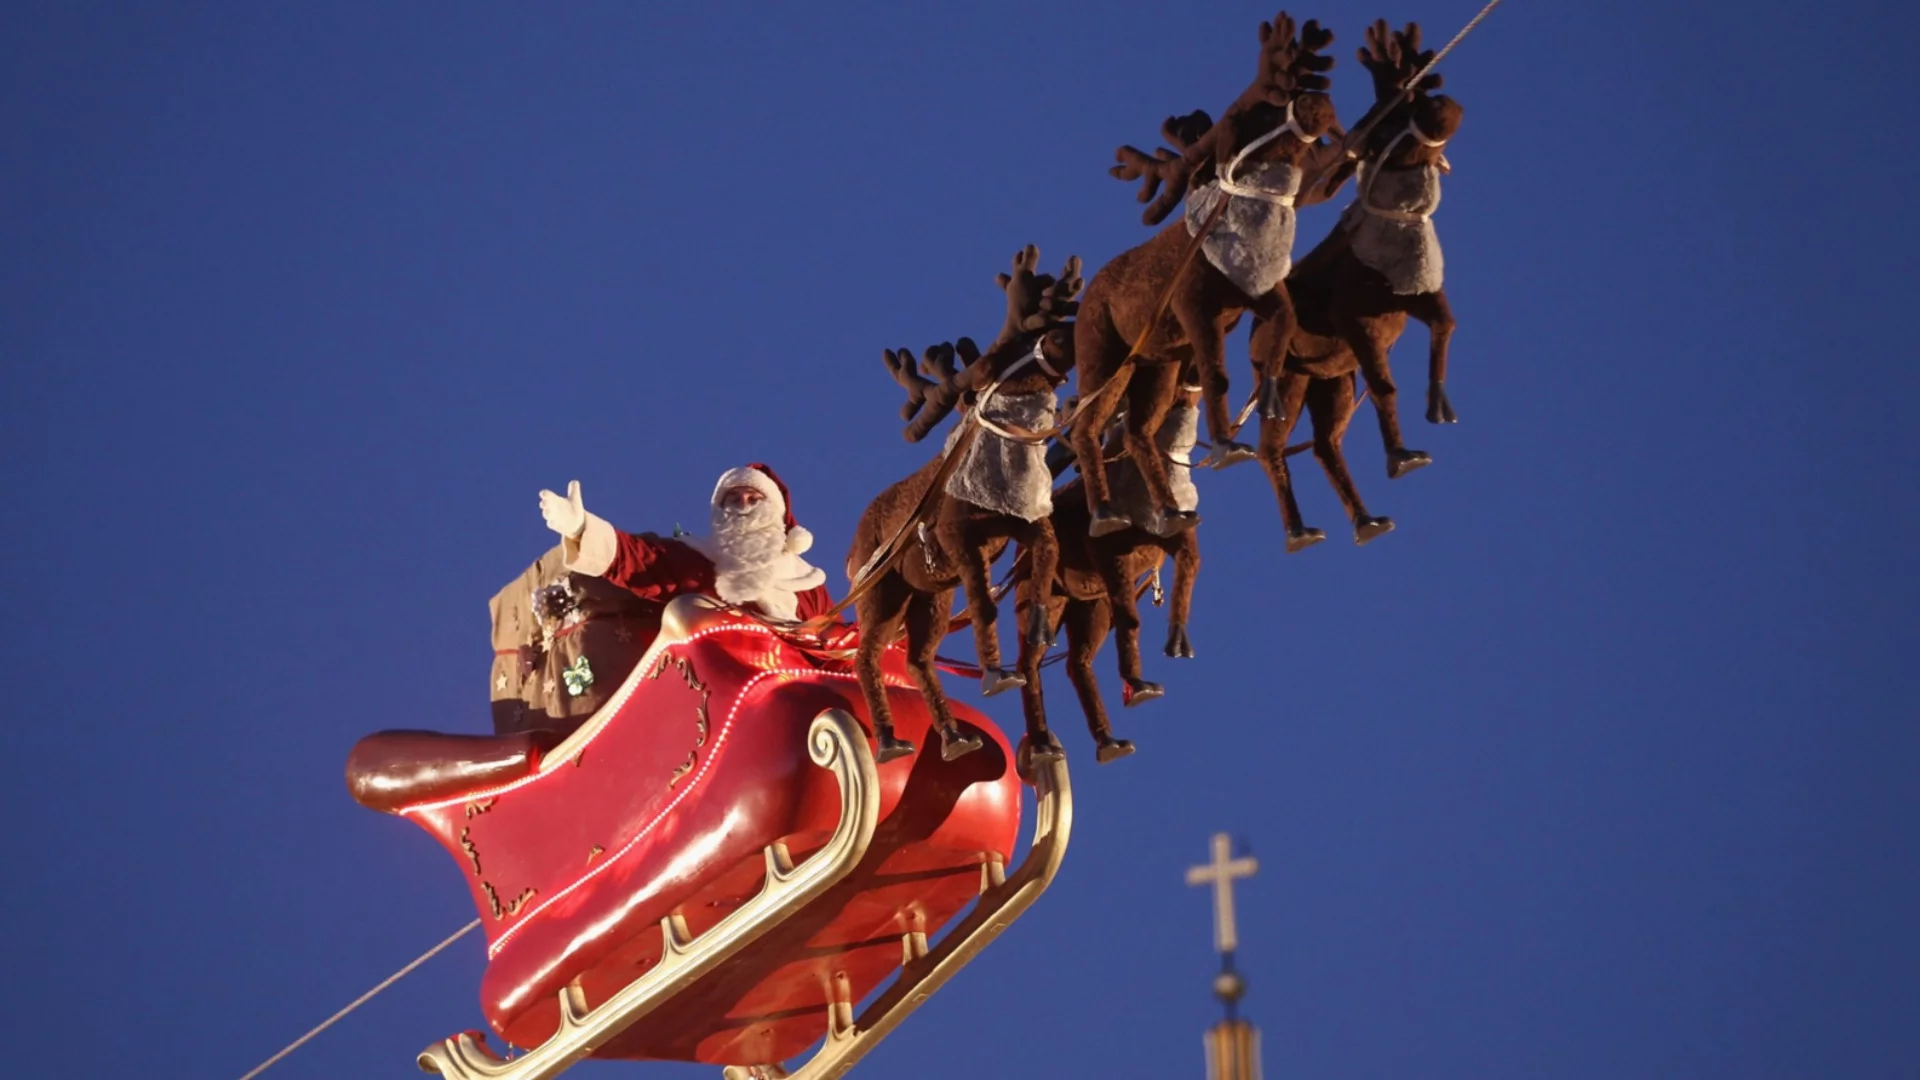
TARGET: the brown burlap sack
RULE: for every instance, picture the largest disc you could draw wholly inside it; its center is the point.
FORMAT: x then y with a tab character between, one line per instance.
562	644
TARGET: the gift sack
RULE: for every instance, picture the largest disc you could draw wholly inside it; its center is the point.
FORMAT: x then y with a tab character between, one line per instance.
562	643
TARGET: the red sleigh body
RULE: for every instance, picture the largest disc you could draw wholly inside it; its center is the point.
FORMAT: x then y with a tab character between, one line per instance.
697	811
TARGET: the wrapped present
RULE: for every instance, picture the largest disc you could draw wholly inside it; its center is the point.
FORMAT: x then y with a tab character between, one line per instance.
562	642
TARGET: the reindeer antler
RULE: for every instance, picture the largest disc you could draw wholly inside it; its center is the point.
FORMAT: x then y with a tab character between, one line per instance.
937	361
900	366
1299	66
1165	166
1394	56
932	397
945	390
1058	299
1036	302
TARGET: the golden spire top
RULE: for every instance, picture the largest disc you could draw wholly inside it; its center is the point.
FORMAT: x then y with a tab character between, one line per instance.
1233	1045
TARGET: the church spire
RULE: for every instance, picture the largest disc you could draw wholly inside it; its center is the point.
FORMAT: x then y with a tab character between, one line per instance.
1233	1045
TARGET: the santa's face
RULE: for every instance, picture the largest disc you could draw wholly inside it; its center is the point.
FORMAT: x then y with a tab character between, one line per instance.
740	499
755	558
749	530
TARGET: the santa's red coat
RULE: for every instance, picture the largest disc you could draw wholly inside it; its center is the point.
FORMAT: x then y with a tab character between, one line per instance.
658	570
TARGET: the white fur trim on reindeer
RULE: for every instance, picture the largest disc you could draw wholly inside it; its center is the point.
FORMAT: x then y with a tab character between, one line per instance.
1252	243
1001	474
1179	432
1393	232
593	551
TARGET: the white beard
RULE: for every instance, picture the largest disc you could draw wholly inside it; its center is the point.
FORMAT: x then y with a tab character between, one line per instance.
751	564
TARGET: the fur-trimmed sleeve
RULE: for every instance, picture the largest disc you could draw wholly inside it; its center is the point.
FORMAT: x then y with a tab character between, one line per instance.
814	601
643	564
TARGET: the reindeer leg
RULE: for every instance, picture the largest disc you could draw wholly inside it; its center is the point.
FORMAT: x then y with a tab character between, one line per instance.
1330	404
1195	305
1039	746
1273	457
926	626
880	614
1100	360
1432	308
1043	562
964	535
1119	610
1122	611
1186	568
1371	338
1086	624
1269	343
1157	385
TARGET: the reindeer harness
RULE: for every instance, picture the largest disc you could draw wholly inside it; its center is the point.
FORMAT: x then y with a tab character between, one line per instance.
1002	472
1178	435
1394	232
1252	242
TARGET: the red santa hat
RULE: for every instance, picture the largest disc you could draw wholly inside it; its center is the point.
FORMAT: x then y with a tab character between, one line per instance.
764	480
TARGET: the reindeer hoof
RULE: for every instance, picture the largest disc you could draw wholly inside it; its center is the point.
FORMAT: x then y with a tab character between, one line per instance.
1175	521
1270	400
1047	754
1177	644
1027	757
1306	538
996	679
1402	462
1367	528
1039	634
1112	749
955	743
1228	453
1139	691
1107	521
891	748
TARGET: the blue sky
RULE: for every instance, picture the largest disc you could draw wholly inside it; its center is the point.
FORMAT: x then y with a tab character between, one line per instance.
1602	765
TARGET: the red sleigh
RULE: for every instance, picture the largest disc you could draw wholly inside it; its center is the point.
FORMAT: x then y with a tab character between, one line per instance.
712	868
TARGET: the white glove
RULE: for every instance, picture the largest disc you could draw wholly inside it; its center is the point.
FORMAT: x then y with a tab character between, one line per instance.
565	515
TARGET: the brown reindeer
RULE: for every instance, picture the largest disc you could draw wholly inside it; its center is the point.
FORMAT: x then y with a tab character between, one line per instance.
1091	593
1355	290
981	503
1092	590
1253	158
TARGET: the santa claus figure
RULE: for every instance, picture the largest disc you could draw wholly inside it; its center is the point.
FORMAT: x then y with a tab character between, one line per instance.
751	558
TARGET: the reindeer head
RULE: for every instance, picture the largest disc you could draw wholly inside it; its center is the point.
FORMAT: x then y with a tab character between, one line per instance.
1040	309
1284	110
1393	58
1296	98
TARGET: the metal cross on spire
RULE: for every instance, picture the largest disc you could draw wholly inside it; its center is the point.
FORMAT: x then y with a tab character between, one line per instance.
1221	873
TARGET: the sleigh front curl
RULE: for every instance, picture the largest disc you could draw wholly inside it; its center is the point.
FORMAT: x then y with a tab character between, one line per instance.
712	868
